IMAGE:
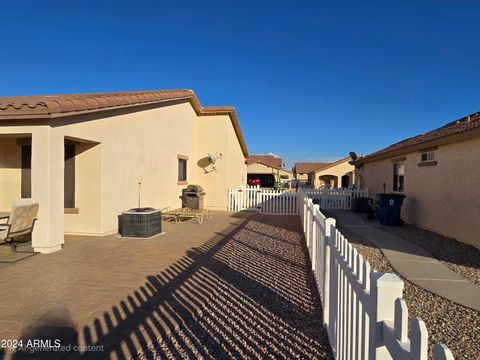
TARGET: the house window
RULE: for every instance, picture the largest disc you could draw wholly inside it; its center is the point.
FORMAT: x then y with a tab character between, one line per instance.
398	177
182	169
26	178
427	156
69	176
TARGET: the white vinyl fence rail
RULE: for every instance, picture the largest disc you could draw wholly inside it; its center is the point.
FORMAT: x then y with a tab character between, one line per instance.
284	202
244	198
364	311
335	198
266	201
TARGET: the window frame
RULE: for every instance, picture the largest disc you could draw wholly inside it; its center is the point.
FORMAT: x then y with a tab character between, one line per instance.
429	156
182	168
396	177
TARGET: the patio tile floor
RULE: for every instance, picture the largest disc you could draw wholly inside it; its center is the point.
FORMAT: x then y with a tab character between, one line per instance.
97	290
239	284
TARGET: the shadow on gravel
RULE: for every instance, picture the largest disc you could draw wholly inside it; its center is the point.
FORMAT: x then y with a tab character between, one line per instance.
246	293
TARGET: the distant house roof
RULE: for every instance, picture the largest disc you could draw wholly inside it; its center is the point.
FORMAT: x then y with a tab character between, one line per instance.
305	168
268	160
55	106
332	164
456	127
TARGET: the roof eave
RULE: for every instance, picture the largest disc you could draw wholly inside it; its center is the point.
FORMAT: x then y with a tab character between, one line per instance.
199	110
448	139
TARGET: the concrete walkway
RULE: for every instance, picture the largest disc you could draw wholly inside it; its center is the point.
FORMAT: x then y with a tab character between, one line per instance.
412	262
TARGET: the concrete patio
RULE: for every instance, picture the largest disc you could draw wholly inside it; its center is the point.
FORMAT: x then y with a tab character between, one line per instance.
115	298
69	293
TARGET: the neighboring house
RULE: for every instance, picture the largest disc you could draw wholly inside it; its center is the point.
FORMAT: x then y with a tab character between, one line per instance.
301	170
267	169
438	172
338	174
82	157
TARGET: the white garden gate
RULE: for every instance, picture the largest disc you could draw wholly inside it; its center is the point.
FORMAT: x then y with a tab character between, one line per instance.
266	201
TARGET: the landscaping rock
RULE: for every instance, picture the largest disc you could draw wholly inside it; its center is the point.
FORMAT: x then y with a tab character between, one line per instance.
266	304
461	258
447	322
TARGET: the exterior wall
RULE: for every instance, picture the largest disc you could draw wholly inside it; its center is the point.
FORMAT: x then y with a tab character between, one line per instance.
47	182
264	169
441	198
117	149
338	170
217	135
10	172
302	177
88	191
140	145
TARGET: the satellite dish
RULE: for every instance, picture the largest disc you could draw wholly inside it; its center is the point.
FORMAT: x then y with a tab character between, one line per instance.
212	159
353	155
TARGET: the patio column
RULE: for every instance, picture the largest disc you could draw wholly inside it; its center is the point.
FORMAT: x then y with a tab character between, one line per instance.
48	190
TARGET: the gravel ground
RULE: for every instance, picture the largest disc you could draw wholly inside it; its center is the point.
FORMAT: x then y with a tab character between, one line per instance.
266	305
461	258
454	325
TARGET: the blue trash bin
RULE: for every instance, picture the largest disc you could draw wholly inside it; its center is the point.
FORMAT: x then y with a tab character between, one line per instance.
389	208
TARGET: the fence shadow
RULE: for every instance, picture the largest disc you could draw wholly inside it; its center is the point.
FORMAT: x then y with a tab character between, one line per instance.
261	304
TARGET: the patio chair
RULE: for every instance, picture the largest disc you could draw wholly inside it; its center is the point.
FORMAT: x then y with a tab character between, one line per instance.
20	222
205	213
183	214
169	214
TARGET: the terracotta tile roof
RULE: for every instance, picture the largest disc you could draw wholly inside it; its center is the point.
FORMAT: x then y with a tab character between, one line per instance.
305	168
456	127
55	106
268	160
332	164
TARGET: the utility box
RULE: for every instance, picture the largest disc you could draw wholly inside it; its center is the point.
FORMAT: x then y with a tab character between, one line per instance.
141	223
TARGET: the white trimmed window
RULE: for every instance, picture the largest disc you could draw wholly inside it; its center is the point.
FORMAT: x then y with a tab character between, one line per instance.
427	156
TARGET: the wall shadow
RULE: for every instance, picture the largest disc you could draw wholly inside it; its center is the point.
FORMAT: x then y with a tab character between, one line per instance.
247	292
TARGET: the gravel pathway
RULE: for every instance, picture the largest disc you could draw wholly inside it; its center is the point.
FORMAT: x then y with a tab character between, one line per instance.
266	305
454	325
461	258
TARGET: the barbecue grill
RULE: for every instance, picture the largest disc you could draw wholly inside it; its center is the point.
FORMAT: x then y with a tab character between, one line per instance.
192	197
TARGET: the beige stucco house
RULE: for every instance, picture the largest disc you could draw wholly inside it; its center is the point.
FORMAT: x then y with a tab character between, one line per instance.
337	174
438	172
268	169
302	169
82	157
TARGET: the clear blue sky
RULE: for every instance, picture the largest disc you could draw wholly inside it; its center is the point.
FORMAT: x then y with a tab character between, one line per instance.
311	80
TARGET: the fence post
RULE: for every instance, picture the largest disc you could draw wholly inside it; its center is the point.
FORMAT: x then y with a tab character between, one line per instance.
329	230
258	198
385	288
309	225
314	251
442	352
305	201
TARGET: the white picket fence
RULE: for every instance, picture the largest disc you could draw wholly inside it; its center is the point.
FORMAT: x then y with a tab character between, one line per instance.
364	311
244	198
335	198
266	201
284	202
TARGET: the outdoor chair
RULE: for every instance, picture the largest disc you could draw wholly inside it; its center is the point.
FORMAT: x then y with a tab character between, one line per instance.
185	213
20	222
